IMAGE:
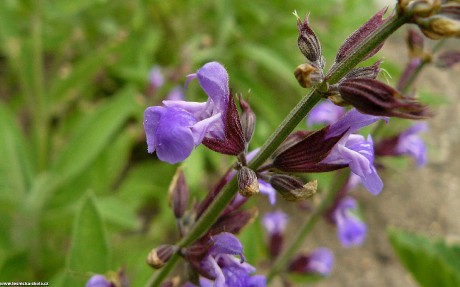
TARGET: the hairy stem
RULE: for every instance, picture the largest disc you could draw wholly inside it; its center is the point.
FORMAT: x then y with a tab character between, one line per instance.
296	115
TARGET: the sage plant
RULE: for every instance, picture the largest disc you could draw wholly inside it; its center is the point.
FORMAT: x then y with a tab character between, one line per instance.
353	99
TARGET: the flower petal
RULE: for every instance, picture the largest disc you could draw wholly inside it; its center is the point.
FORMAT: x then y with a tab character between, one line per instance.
213	79
268	190
227	243
174	138
152	117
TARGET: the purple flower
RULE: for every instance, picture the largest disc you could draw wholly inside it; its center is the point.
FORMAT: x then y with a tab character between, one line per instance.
354	150
156	77
275	222
98	281
173	130
351	230
325	113
227	271
407	143
410	143
320	261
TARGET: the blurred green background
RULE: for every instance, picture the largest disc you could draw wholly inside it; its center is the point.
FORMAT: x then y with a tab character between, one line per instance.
78	191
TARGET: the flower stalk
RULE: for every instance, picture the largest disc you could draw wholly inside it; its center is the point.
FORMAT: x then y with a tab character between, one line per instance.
297	114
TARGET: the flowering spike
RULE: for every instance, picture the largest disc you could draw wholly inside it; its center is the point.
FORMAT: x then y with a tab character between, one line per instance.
233	142
247	182
355	39
376	98
309	44
178	194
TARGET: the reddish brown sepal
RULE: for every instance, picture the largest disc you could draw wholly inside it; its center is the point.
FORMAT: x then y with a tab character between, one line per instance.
248	119
298	263
275	244
355	39
306	151
376	98
178	194
308	43
233	143
370	72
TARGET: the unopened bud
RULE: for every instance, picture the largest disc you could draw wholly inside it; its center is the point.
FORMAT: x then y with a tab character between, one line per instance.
307	75
178	194
248	120
415	42
247	182
439	26
419	8
308	43
160	255
292	189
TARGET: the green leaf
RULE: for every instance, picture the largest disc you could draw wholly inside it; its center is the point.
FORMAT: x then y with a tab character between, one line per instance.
93	135
89	252
15	170
432	262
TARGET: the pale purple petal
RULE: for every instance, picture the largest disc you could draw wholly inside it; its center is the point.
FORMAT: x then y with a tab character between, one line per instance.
257	281
410	143
156	77
325	113
174	139
201	128
275	222
176	94
351	230
192	107
152	117
98	281
268	190
358	153
213	79
321	261
226	243
205	282
351	122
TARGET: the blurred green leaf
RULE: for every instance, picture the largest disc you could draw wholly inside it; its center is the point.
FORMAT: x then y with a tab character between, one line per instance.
89	251
433	263
116	211
15	169
93	135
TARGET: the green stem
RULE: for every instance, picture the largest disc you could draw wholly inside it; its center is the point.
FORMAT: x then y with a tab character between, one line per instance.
284	129
283	259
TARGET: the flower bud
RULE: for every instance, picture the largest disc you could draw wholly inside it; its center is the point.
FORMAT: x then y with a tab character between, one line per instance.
248	120
292	189
439	26
415	43
309	44
178	194
160	255
247	182
308	75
